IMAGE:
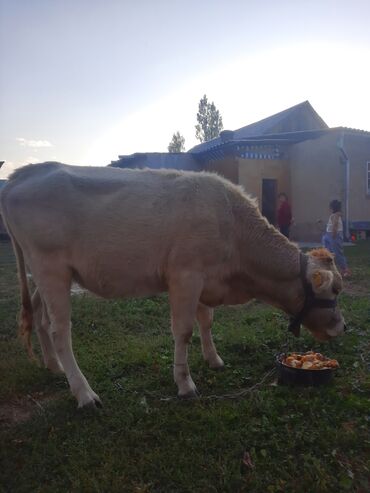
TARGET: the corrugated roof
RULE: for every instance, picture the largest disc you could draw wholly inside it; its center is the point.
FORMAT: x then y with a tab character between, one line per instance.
352	131
156	160
258	142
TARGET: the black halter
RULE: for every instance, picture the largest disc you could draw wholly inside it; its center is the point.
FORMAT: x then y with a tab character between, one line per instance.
310	299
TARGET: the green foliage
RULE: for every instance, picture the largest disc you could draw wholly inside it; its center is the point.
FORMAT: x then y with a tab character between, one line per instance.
276	439
209	121
177	143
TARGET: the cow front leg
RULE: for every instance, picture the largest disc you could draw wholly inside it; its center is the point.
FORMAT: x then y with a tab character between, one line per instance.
80	387
205	319
184	295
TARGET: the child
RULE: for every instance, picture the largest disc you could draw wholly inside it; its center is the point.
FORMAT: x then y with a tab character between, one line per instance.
333	238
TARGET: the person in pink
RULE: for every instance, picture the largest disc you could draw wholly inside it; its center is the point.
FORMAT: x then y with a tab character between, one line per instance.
284	214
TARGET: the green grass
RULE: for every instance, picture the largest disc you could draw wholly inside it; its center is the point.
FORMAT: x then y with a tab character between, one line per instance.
298	439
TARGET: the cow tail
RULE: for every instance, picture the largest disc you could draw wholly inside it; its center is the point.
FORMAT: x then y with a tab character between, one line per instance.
25	318
25	315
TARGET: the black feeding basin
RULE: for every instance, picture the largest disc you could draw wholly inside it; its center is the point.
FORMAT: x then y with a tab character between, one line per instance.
298	376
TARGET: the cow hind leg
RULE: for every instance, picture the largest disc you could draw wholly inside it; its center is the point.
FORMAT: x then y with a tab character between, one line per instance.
42	326
55	292
184	295
205	318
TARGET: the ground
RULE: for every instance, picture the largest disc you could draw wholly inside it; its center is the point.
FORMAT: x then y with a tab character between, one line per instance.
272	439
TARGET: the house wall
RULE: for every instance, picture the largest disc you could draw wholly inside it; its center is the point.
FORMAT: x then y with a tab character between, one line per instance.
250	172
317	177
228	168
357	147
253	171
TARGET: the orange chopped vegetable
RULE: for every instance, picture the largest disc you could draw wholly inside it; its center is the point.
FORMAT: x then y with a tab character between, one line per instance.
309	361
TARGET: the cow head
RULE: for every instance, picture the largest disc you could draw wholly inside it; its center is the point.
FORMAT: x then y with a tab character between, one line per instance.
322	275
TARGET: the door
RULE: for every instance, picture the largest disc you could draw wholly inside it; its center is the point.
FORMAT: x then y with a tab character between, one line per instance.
269	199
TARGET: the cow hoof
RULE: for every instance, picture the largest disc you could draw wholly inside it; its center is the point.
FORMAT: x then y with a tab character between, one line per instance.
89	400
93	405
193	394
217	364
99	403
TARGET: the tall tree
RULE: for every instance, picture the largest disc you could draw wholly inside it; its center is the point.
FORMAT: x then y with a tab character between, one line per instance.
177	143
209	121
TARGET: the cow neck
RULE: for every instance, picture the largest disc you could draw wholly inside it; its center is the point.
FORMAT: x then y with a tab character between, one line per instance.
270	253
272	263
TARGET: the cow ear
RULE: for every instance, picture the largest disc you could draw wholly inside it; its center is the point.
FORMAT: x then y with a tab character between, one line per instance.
322	280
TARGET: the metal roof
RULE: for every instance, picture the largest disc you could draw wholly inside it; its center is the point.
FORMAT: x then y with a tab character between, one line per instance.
262	147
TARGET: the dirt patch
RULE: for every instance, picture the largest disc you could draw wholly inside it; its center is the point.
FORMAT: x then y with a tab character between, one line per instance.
20	409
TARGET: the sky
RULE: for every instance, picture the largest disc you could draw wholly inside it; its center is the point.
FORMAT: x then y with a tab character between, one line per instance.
84	81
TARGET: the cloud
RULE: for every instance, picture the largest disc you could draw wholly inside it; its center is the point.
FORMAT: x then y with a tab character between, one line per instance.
33	143
32	160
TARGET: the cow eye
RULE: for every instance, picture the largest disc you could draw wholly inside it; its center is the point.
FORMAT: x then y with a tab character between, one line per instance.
336	291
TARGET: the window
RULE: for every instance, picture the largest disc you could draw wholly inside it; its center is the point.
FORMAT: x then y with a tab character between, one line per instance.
368	177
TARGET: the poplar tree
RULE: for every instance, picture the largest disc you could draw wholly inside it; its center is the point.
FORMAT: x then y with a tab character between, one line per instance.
177	143
209	121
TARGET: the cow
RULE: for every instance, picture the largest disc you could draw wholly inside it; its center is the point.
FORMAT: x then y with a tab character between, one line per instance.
132	233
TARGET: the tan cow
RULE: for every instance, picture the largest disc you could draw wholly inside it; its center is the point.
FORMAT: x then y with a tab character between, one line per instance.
123	233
